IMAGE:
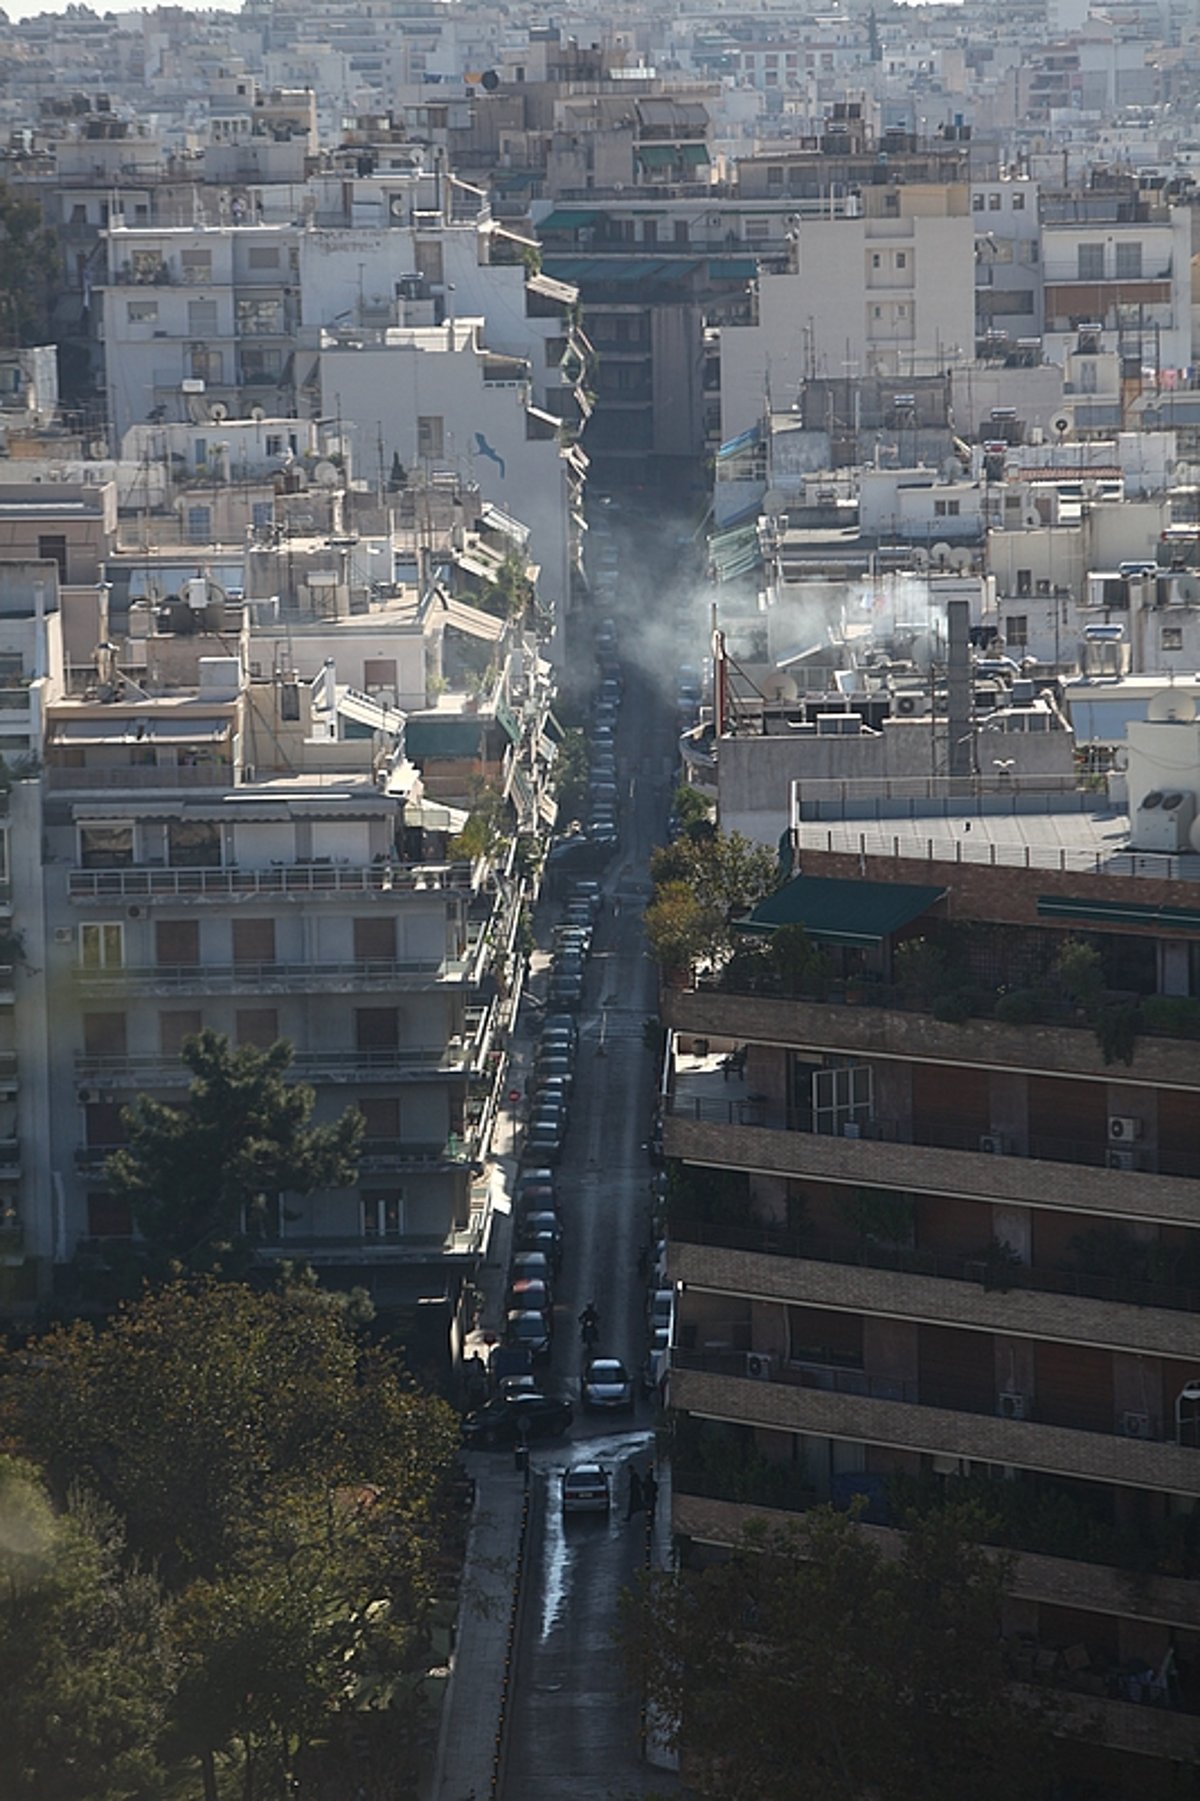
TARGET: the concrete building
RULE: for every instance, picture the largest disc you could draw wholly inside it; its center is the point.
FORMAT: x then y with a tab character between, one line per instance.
923	1263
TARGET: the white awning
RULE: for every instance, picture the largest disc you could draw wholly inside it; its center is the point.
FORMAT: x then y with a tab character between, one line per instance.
431	816
140	731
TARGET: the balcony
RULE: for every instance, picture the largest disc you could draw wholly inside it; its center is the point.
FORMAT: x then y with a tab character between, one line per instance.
460	1242
885	1025
287	881
890	1282
140	776
356	977
756	1135
381	1155
395	1064
829	1402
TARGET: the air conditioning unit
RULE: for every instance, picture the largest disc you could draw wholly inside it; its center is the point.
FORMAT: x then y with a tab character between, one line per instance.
907	706
86	1096
1115	1158
1122	1129
1012	1405
993	1144
759	1366
64	934
134	912
1135	1425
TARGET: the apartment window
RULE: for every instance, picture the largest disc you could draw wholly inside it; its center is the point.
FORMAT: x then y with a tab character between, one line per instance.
1018	203
1129	261
902	259
431	435
877	311
1024	583
201	317
757	230
106	846
206	365
376	1029
141	312
1171	637
775	175
876	260
177	943
994	203
193	844
381	1116
1016	630
261	365
174	1026
289	701
841	1097
1089	259
196	265
52	548
375	939
103	1126
264	256
104	1035
199	525
681	231
946	509
258	1026
254	941
379	673
383	1213
429	260
259	318
977	203
102	946
817	1336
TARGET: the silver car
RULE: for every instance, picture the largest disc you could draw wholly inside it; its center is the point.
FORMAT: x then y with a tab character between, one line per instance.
607	1386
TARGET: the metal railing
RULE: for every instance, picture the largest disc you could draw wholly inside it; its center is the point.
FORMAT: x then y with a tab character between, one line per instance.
280	879
448	1060
773	1116
981	1271
269	975
942	847
141	776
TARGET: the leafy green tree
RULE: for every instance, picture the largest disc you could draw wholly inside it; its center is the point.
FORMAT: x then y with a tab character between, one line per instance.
691	807
85	1666
28	270
284	1477
489	826
571	775
725	874
200	1178
680	928
809	1667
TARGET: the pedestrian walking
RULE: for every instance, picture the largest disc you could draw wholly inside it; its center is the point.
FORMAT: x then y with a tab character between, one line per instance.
649	1486
637	1495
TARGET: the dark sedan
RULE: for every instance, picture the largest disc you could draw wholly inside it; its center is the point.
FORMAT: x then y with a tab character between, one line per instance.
525	1413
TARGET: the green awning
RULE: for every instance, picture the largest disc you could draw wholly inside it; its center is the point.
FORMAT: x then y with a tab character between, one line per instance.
657	156
1117	913
695	154
732	268
508	720
565	218
841	912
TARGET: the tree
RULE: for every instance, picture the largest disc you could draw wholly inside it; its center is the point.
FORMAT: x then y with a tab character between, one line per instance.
489	825
680	928
725	875
28	270
200	1178
281	1473
571	775
85	1665
809	1667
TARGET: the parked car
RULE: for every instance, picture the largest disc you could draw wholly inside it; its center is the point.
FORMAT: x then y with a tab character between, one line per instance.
528	1330
542	1232
544	1140
587	891
551	1069
586	1489
525	1413
567	991
560	1022
530	1266
529	1293
660	1309
552	1091
532	1184
607	1386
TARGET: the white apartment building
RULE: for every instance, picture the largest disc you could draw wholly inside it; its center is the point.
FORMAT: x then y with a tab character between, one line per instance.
1008	253
1122	264
888	290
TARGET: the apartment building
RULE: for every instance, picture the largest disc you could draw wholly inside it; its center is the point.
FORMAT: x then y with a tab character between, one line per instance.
926	1252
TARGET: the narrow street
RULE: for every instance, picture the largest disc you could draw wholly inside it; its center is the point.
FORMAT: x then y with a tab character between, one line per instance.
575	1728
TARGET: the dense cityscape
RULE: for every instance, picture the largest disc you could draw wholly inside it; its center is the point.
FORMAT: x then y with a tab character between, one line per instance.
600	902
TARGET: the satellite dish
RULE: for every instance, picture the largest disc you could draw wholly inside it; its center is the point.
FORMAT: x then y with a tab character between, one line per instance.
941	553
961	561
258	414
1031	517
1061	425
920	558
326	475
774	501
1172	704
98	448
489	81
218	411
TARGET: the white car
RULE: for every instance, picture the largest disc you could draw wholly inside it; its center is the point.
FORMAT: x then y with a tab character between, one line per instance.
586	1489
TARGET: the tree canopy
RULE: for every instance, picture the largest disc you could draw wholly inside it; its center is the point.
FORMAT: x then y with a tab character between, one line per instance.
811	1667
28	268
288	1484
201	1178
703	882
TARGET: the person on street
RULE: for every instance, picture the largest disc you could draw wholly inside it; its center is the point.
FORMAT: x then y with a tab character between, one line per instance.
637	1499
650	1494
589	1323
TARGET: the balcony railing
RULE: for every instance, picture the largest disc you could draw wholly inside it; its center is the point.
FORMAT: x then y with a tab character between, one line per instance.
381	1154
333	1065
758	1110
281	879
982	1270
379	972
140	776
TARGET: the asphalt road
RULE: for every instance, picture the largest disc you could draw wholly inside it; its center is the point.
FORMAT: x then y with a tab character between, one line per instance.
575	1729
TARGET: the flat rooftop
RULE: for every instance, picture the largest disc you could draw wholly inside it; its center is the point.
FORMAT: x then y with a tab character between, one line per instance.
1094	840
